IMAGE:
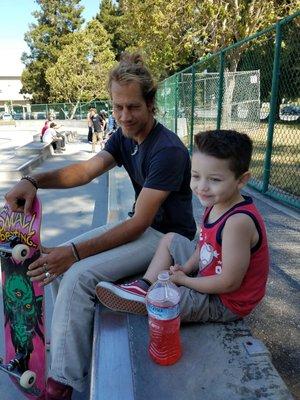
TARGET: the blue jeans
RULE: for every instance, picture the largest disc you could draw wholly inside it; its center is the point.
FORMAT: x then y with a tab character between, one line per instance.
74	297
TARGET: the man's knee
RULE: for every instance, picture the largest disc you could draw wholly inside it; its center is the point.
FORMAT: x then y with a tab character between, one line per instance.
167	240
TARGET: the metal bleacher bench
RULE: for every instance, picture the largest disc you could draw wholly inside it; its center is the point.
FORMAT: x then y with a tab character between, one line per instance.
219	361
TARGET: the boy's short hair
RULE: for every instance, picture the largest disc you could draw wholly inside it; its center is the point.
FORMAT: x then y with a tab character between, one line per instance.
228	145
53	125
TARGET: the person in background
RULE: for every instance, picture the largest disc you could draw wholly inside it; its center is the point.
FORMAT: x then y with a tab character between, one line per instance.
98	128
231	257
104	116
90	127
111	124
52	136
44	128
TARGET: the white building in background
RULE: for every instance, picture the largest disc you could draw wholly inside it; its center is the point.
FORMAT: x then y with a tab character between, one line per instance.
10	96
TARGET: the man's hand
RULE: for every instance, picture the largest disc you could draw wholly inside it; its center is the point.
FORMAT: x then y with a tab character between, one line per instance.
52	263
23	190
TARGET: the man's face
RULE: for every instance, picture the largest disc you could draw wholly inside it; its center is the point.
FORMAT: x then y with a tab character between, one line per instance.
131	111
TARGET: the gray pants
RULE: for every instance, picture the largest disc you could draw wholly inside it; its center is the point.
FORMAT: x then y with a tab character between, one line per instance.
196	306
74	296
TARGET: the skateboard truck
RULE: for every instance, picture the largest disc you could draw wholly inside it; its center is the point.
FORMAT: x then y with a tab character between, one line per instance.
14	248
13	368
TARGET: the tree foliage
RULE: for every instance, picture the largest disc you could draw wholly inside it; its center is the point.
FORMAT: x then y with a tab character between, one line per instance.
171	35
176	33
110	15
57	20
81	71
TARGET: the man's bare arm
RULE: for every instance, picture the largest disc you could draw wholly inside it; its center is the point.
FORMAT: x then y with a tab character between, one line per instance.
60	259
146	208
77	174
73	175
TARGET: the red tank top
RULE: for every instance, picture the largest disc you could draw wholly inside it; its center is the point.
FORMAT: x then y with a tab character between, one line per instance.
253	287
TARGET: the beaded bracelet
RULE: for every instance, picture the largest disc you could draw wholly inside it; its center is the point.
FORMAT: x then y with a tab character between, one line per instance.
75	252
31	180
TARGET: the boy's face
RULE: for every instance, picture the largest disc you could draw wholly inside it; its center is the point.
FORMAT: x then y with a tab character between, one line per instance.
213	182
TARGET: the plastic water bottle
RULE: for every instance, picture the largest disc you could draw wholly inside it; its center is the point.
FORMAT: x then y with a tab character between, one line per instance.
164	320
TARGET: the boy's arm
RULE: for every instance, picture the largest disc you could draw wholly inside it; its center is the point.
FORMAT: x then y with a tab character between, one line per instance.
238	236
192	263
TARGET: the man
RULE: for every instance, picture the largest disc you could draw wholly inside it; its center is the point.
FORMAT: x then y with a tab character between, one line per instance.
56	139
159	167
90	126
98	125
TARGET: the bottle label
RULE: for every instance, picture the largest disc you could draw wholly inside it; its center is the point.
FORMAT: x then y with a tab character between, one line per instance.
163	313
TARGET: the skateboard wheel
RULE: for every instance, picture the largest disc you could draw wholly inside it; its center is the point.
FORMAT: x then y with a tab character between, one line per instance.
27	379
20	252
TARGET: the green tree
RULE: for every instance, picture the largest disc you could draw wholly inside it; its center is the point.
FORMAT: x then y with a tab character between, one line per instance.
56	21
160	30
111	17
81	71
176	33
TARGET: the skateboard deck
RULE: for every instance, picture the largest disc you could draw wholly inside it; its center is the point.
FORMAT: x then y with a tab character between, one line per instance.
22	300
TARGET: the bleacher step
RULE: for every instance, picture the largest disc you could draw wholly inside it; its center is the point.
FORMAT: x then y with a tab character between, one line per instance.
219	361
26	158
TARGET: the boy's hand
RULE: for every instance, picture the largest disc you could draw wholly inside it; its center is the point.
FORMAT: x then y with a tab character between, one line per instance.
176	267
177	276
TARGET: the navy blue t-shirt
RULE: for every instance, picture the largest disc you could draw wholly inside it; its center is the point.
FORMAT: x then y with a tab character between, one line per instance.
160	162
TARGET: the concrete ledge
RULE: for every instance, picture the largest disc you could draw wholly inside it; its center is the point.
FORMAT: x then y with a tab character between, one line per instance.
34	147
120	195
26	159
219	361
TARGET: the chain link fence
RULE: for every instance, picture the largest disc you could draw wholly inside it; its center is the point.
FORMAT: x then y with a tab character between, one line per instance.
252	86
58	110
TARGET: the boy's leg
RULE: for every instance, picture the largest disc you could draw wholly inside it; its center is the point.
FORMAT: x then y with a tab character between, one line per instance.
162	259
202	307
72	322
130	297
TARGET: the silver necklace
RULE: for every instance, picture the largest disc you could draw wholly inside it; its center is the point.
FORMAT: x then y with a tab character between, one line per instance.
136	147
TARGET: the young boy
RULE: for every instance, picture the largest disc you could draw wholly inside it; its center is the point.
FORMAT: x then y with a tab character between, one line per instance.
231	255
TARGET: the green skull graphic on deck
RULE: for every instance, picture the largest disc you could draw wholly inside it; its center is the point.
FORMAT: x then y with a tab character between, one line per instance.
23	310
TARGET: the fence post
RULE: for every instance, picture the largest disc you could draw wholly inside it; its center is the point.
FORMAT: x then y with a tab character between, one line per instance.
220	89
192	110
176	102
273	108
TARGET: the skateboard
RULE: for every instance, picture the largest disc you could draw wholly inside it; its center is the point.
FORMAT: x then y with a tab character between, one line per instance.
22	300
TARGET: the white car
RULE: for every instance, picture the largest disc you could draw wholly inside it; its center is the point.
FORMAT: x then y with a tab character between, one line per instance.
6	117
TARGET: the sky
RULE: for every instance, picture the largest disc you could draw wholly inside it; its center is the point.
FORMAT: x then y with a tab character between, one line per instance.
15	17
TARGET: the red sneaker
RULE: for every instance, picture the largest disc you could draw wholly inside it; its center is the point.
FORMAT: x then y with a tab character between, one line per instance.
128	297
56	391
